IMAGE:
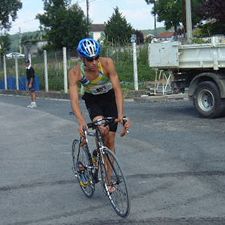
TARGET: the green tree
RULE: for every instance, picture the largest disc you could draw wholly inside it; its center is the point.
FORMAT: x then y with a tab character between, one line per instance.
63	24
172	12
4	44
213	11
28	40
139	36
117	29
8	12
150	1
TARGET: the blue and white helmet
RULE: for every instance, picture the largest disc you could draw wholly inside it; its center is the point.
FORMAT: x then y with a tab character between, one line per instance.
88	48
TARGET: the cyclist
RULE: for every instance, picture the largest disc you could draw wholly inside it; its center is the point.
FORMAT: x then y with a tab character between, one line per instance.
102	91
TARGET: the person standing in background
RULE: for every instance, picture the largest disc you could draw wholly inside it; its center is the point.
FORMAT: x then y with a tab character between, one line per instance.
30	73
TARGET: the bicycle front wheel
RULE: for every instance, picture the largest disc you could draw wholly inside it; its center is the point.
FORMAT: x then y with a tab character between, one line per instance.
114	183
82	168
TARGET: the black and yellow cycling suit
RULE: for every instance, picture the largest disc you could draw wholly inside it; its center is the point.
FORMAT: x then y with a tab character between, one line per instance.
99	95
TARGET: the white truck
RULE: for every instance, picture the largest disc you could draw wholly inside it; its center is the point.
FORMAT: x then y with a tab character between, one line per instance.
200	68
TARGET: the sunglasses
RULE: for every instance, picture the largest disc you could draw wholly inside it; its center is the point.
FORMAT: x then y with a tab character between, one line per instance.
93	59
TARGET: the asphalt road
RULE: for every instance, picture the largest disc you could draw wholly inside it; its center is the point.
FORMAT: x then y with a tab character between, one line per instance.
174	163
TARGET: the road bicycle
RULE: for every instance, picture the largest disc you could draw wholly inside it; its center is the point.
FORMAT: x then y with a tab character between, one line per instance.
100	165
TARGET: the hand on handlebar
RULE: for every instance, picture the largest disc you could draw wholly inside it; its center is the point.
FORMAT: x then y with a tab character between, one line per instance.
82	127
126	125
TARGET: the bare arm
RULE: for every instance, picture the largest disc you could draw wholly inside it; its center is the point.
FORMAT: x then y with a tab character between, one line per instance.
113	75
74	76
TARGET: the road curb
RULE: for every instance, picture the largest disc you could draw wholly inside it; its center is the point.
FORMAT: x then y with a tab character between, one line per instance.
41	94
137	96
161	98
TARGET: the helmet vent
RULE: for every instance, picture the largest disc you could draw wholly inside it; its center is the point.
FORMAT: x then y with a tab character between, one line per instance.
88	48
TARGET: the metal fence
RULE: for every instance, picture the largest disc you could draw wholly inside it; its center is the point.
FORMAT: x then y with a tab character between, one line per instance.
52	68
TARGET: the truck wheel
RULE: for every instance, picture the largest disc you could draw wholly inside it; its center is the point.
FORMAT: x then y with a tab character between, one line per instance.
207	100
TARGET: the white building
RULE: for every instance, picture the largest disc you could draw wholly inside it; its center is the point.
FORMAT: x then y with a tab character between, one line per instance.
97	31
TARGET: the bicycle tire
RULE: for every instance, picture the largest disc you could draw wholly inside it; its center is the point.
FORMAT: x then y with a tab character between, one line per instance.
119	198
80	154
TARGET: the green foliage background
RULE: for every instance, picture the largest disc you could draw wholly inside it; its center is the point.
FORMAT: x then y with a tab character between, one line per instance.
117	29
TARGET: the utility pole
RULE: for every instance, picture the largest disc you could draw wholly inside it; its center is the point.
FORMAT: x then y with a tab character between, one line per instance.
133	40
20	39
188	21
155	31
87	5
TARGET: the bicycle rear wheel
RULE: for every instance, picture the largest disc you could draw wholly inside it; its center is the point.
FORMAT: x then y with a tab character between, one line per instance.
82	168
114	183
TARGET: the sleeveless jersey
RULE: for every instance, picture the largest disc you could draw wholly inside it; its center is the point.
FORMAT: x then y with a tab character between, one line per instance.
100	85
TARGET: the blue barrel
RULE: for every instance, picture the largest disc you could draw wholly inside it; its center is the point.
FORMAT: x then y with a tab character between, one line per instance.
37	83
2	84
22	83
11	82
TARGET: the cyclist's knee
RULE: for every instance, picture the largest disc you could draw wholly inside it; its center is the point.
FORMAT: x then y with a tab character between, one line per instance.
110	140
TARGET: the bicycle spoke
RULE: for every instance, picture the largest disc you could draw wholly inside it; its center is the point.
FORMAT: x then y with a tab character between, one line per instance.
81	168
114	184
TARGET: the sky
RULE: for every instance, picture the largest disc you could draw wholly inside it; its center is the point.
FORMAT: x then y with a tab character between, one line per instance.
136	12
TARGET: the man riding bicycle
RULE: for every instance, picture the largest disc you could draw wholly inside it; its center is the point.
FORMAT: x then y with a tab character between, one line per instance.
102	90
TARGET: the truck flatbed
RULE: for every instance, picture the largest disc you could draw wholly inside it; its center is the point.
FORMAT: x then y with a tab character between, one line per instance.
174	55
